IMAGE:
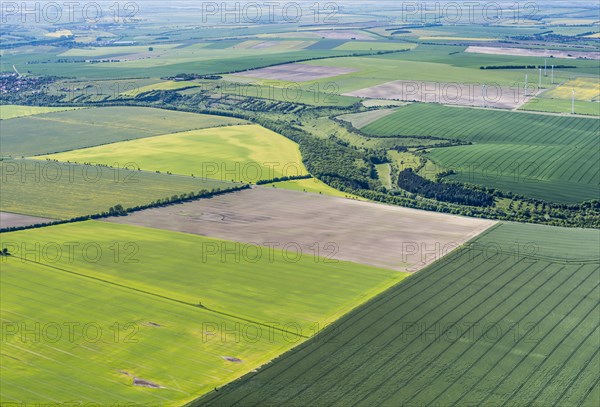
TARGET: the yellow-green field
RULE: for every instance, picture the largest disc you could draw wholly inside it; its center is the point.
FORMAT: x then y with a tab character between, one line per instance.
115	50
245	153
374	46
585	89
312	185
59	33
167	85
446	38
124	303
14	111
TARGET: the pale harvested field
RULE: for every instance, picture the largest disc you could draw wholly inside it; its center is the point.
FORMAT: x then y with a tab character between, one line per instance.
528	52
296	72
11	220
446	93
360	120
363	232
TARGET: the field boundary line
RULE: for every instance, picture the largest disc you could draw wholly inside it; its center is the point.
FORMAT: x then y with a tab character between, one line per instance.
164	297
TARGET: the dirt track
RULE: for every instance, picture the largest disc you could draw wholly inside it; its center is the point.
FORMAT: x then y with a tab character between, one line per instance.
380	235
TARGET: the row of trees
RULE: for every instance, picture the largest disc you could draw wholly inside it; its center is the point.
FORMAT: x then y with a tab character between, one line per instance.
119	210
441	191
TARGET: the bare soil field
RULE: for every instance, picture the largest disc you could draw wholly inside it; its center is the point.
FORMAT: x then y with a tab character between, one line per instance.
11	220
528	52
340	229
296	72
462	94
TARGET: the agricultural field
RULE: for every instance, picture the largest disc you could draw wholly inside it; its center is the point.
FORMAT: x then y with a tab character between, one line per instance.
247	153
446	93
374	46
563	106
360	120
479	327
584	88
38	188
311	185
14	111
137	61
299	204
191	306
11	220
534	52
167	85
343	229
529	154
70	130
296	72
289	92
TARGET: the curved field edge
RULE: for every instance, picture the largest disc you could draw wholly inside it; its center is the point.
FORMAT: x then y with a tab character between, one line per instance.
246	153
482	325
38	188
80	128
548	157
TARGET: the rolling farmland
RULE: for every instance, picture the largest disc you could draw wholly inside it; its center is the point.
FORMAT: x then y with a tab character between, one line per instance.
130	330
62	131
228	277
14	111
131	302
238	153
344	229
545	157
349	204
478	327
38	188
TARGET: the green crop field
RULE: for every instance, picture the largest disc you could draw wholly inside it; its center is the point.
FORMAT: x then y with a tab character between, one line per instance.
137	62
125	333
63	131
291	92
374	205
542	156
240	153
312	185
490	325
543	104
39	188
167	85
444	64
14	111
255	304
375	46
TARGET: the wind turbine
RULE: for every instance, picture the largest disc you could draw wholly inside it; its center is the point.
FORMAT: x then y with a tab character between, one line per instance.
573	101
